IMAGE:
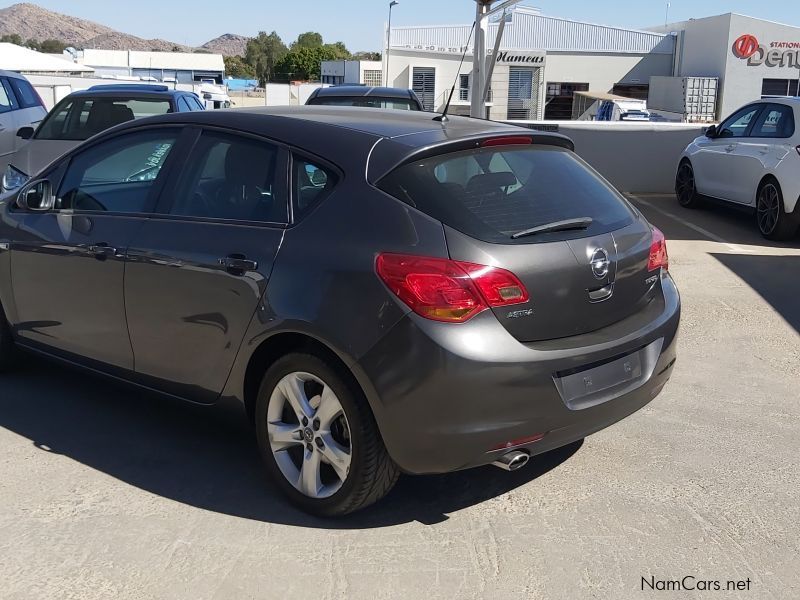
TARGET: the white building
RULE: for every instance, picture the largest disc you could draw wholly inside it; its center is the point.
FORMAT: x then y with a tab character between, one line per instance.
24	60
544	60
366	72
184	67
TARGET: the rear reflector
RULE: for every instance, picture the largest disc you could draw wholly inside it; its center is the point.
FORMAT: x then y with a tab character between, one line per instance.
798	149
515	140
520	442
659	259
448	290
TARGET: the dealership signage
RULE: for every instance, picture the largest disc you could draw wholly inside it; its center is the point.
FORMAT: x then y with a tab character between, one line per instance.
534	58
777	54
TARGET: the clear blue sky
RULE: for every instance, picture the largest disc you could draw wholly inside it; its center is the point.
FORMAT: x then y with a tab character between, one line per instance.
359	23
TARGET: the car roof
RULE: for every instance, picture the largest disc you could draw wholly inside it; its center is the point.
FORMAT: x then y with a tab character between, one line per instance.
129	91
12	74
379	138
787	100
361	91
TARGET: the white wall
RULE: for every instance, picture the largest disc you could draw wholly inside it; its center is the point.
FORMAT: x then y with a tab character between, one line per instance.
602	71
634	157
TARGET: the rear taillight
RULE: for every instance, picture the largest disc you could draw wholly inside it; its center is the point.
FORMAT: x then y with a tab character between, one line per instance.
659	259
448	290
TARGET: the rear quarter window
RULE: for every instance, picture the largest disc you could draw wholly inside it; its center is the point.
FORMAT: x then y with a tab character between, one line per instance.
492	193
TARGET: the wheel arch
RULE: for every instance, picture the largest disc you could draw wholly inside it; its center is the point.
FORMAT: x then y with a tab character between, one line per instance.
289	342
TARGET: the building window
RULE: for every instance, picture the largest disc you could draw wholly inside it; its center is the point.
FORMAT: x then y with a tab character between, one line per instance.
560	98
463	87
424	85
523	93
373	78
779	87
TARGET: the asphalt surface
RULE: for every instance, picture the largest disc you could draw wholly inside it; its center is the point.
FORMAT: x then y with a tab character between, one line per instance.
110	493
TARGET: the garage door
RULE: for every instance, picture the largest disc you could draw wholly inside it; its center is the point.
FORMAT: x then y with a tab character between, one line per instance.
424	84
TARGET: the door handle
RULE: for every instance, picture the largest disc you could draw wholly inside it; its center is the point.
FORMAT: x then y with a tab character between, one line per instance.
730	148
238	264
102	250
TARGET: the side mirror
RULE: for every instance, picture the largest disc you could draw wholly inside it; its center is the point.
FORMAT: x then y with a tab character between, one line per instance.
26	133
37	196
711	132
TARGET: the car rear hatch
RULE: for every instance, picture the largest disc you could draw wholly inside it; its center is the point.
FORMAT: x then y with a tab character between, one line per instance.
580	250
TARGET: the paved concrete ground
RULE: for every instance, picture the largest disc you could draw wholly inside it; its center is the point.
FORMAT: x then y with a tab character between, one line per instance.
109	493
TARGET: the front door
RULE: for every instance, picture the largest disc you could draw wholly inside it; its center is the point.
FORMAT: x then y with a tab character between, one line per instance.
717	160
199	268
68	263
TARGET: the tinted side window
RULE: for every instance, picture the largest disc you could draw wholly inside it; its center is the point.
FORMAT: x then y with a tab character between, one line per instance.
117	175
232	178
6	96
736	126
776	121
183	105
311	183
25	95
197	104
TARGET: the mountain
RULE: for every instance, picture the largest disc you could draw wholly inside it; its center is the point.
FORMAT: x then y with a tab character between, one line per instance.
229	44
33	22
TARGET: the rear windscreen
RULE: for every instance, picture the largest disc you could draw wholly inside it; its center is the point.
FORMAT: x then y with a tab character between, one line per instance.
80	118
365	102
492	193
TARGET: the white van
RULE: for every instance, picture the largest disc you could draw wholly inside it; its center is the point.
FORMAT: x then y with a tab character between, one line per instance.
623	110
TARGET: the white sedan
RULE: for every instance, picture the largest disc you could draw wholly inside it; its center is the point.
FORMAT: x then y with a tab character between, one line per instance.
751	159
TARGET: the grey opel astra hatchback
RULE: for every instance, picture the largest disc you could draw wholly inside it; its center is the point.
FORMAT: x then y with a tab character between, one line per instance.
379	292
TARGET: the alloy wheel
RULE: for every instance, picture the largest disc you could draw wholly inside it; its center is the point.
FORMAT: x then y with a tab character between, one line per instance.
769	209
309	435
685	185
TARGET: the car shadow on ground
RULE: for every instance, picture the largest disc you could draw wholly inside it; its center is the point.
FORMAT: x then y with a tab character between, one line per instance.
774	278
207	457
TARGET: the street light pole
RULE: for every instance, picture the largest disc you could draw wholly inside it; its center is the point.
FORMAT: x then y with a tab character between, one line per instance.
477	104
392	4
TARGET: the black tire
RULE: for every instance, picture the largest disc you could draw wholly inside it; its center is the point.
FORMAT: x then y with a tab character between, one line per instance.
8	352
372	473
771	218
685	186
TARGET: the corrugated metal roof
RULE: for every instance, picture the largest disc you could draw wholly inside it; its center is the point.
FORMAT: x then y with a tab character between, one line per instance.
531	31
25	60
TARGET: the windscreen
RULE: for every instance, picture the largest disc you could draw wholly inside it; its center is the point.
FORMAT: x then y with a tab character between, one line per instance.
366	102
79	119
492	193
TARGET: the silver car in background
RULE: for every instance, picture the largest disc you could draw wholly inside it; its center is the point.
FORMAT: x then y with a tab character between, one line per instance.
20	106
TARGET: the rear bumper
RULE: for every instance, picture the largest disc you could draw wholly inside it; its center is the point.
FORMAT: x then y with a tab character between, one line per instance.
444	396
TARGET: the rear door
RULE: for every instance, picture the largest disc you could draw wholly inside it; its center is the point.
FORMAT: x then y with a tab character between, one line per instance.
199	268
717	164
765	147
578	280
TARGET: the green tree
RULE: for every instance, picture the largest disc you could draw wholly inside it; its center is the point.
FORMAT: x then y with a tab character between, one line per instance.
52	46
339	50
13	38
235	66
367	56
305	64
264	52
309	39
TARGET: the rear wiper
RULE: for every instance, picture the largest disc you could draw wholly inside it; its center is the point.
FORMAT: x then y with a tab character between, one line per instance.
568	225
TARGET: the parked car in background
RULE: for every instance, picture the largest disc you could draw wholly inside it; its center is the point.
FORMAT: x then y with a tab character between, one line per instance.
752	160
20	106
365	96
434	297
83	114
623	110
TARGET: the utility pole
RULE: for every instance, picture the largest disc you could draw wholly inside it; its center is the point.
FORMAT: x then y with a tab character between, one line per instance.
480	71
392	4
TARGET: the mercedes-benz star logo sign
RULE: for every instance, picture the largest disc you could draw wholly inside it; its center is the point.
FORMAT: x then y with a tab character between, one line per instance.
600	263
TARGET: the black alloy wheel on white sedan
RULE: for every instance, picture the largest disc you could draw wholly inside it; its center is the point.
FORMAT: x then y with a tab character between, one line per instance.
685	187
773	222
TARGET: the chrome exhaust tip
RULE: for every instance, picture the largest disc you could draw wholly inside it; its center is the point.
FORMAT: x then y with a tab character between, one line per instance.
512	461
